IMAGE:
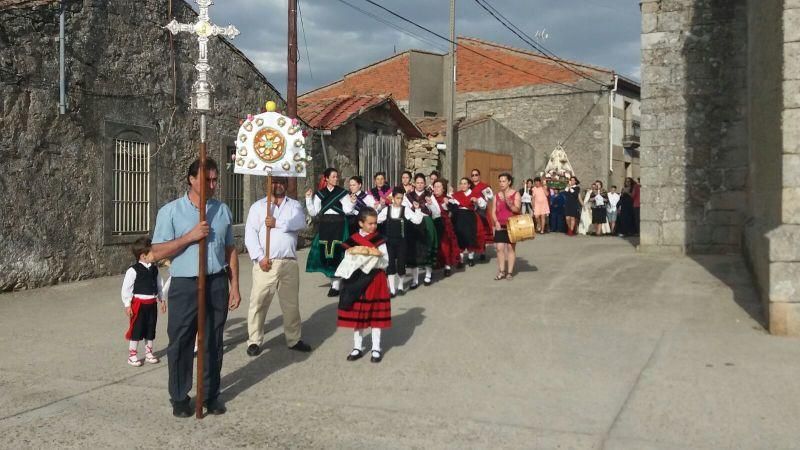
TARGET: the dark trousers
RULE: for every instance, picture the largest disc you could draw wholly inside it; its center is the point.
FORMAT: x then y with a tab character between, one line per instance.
182	330
636	220
397	256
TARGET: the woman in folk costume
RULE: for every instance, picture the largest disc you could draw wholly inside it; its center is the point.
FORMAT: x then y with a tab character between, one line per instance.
507	203
483	190
358	200
449	253
407	181
467	225
396	220
381	192
599	200
332	206
364	301
423	244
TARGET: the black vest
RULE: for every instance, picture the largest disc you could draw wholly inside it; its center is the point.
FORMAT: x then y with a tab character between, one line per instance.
420	198
146	279
396	228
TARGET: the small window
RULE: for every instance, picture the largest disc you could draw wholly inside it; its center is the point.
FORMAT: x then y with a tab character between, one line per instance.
131	187
429	114
233	189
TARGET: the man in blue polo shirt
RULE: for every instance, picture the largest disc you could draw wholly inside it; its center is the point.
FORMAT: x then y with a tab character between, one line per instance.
176	235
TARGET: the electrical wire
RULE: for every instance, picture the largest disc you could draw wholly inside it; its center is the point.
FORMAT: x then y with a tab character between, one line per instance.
305	41
544	51
395	26
511	66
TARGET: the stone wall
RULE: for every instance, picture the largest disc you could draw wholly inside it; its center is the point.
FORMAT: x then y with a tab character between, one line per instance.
694	125
422	156
54	172
544	115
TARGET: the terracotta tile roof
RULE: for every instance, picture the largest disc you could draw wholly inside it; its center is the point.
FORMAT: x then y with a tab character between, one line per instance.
432	126
497	67
386	77
332	113
507	67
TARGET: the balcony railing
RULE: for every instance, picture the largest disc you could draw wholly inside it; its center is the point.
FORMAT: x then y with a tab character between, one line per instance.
631	136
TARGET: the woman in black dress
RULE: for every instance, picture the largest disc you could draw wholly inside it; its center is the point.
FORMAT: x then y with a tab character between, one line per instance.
626	221
572	207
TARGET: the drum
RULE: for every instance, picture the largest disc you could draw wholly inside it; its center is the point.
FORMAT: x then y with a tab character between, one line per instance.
520	228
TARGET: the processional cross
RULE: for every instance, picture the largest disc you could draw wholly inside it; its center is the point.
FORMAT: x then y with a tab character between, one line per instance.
202	101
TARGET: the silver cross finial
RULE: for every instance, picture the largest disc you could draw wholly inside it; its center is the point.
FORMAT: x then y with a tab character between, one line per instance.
202	89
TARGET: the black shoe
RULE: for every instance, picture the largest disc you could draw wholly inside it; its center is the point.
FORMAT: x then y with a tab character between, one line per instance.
483	257
447	272
427	282
301	347
376	359
215	407
182	409
472	263
392	295
413	286
333	292
401	292
352	357
253	350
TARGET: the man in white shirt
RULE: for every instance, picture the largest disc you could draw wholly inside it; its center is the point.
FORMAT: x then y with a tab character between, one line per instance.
278	271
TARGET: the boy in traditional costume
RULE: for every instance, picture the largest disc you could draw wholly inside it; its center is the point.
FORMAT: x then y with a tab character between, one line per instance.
396	220
142	289
423	244
332	206
364	301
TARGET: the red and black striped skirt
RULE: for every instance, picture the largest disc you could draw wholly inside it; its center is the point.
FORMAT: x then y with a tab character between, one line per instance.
371	310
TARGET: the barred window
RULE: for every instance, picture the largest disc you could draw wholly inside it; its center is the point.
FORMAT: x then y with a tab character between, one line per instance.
233	188
131	187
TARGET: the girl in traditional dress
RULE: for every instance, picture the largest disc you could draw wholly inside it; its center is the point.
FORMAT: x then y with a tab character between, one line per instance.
423	243
541	204
142	290
332	206
506	204
396	220
364	302
484	191
572	204
467	225
599	215
449	253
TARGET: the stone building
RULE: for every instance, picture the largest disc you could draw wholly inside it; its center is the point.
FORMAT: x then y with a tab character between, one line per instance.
541	101
79	186
359	135
720	139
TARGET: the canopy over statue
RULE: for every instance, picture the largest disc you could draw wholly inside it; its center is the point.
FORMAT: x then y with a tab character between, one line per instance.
271	144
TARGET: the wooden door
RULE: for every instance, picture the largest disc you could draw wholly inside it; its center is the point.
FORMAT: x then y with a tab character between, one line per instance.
491	165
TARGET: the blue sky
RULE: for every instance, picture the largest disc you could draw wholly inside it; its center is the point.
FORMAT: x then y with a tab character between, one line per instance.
339	39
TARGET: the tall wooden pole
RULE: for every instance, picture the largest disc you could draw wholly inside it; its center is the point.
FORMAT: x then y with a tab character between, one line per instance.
291	82
269	214
201	278
450	166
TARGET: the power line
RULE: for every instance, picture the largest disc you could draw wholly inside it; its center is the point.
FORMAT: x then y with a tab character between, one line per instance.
393	25
305	41
547	54
511	66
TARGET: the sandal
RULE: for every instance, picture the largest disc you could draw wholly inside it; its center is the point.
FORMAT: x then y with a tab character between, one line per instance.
509	276
151	358
134	361
500	275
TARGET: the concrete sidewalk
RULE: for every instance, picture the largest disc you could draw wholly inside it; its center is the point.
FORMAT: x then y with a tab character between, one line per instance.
591	346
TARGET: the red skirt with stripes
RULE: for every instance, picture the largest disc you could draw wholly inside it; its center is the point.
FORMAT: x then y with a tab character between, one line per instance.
373	309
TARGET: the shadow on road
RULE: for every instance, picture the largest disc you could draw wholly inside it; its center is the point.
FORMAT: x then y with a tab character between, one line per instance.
275	355
403	326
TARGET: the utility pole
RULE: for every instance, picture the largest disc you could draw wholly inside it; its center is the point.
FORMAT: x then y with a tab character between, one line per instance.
449	167
291	83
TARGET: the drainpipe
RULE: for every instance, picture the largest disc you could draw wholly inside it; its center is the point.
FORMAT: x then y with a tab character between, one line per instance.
62	83
322	134
611	100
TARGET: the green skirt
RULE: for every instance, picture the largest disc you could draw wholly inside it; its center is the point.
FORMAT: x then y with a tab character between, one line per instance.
423	244
326	250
